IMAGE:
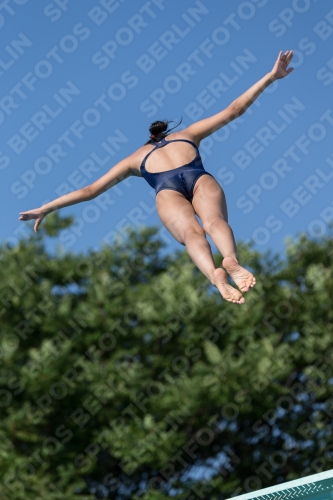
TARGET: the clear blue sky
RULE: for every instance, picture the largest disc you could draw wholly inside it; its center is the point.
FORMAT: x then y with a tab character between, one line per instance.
80	86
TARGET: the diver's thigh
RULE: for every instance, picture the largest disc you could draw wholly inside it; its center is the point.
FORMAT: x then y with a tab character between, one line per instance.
209	199
176	213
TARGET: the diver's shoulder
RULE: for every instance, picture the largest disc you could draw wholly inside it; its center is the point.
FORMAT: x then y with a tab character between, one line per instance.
182	135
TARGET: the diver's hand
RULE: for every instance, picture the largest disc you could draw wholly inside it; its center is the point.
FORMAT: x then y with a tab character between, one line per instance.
280	67
36	213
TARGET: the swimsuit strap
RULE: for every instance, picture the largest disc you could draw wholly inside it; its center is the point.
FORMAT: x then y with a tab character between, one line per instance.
180	140
143	163
163	143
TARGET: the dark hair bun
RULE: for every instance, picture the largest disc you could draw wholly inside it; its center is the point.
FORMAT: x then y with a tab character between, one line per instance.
157	128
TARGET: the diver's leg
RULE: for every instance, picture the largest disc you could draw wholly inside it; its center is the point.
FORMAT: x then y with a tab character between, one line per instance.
210	204
178	216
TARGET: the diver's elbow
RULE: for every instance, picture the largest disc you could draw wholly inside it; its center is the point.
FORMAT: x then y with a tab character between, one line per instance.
89	193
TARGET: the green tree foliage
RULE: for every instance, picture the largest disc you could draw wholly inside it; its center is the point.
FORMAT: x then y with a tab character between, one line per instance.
124	374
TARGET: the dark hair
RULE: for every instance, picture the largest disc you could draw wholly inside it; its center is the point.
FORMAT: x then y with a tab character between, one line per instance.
159	129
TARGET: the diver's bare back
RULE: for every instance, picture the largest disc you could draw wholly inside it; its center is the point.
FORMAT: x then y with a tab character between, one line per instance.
167	158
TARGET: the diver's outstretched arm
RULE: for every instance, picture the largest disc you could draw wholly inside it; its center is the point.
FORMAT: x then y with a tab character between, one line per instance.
201	129
116	174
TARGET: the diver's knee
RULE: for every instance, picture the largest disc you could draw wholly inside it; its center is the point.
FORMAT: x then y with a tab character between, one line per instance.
194	233
210	223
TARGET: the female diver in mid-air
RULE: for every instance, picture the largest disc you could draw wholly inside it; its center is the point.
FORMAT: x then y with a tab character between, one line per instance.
182	192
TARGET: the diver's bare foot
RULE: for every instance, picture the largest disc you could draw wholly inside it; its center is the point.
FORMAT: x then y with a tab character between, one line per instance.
228	292
243	278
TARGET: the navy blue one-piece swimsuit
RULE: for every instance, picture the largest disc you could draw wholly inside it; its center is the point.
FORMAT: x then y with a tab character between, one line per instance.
181	179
